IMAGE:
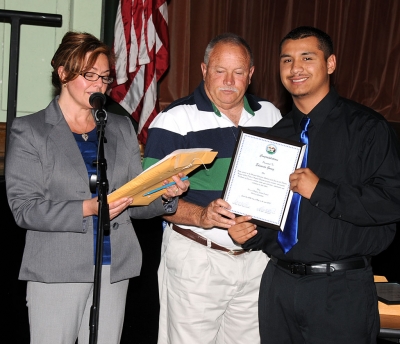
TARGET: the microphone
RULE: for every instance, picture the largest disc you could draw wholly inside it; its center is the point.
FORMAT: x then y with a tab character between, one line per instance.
97	101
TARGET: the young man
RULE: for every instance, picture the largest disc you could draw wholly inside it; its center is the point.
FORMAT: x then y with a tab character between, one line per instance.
208	284
322	289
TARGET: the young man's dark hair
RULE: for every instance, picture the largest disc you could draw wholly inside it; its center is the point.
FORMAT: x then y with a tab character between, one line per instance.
325	41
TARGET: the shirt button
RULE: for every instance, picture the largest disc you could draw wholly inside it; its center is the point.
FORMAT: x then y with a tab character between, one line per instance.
115	225
317	204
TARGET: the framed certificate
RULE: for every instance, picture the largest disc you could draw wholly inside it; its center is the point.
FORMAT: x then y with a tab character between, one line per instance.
258	178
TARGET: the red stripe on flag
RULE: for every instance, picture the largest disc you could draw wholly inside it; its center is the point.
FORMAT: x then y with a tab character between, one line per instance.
137	93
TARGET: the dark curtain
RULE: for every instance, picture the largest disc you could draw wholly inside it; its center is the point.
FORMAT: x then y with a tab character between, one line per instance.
366	36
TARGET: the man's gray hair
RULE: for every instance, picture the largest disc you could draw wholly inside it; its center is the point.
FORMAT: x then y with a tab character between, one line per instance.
230	38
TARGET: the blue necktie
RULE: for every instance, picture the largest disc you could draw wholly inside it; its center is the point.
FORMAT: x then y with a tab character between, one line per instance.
288	238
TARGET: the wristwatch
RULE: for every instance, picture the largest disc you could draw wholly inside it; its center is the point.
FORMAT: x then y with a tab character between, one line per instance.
170	204
166	200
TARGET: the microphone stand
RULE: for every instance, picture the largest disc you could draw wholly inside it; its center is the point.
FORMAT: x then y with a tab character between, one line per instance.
103	227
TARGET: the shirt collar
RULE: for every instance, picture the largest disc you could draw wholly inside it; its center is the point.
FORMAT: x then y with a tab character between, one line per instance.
319	113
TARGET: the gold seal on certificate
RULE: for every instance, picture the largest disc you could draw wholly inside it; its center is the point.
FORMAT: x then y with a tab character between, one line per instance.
258	178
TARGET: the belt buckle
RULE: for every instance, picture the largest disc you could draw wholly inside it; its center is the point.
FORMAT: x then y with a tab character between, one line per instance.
298	269
235	252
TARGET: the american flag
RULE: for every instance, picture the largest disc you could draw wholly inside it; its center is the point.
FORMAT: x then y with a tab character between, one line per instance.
142	56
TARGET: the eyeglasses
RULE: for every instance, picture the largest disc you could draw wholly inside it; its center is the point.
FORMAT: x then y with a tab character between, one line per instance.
94	77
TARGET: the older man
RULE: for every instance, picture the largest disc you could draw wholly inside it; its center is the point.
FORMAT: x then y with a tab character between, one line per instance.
208	284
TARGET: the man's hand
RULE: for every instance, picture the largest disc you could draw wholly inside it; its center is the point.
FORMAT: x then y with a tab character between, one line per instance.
242	230
303	181
216	214
178	188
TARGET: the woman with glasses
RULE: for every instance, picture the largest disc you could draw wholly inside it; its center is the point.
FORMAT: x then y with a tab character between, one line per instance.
50	159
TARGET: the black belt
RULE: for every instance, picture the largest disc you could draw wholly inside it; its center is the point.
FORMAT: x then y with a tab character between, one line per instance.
323	268
203	241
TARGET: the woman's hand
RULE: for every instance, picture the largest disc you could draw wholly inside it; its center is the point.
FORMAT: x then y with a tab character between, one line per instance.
91	206
117	207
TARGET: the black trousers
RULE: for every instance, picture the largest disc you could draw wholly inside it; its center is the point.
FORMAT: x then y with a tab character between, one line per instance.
341	308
